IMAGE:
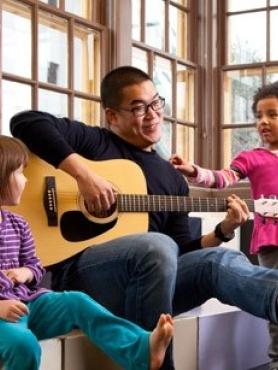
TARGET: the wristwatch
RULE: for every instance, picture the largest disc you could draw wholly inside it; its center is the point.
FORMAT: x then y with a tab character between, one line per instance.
219	234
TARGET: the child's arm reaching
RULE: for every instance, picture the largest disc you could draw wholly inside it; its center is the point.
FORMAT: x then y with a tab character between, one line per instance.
205	177
187	169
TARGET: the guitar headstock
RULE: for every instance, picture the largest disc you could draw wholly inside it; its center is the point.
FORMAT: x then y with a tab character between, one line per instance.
266	207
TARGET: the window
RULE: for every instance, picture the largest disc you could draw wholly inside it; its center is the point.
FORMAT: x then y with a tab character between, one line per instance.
161	47
251	60
203	59
52	58
88	9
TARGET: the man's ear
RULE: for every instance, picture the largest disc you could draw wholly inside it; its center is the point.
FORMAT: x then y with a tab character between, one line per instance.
111	116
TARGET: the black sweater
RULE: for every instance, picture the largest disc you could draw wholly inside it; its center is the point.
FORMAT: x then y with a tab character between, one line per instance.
53	139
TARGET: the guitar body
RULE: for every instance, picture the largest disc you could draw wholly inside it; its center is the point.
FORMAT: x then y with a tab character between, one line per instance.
62	225
73	231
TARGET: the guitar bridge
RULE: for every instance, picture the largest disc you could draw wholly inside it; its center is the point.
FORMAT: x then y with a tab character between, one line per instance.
50	201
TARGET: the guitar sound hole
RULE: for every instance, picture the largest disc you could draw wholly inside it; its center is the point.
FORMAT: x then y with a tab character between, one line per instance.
75	227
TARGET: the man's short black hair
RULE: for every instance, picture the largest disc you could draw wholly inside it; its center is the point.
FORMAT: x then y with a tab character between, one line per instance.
265	92
113	83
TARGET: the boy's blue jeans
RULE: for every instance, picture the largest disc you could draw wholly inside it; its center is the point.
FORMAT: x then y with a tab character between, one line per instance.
53	314
140	276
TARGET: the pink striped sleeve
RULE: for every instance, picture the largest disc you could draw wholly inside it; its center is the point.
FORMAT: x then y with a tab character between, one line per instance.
214	178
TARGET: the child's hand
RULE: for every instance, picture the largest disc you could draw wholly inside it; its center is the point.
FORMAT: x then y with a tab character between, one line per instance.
19	275
184	167
12	309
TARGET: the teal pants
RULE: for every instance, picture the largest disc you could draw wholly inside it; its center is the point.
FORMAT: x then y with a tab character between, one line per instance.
53	314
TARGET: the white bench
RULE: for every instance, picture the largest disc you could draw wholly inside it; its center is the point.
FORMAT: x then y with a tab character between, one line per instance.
219	337
211	337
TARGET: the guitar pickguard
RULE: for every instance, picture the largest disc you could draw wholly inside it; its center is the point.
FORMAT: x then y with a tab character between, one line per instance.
75	227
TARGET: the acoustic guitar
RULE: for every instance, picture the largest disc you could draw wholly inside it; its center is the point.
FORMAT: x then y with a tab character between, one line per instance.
62	225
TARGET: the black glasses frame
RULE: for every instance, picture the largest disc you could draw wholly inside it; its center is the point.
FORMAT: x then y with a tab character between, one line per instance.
139	112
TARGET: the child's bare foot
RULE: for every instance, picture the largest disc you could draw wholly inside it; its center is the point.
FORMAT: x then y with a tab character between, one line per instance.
159	340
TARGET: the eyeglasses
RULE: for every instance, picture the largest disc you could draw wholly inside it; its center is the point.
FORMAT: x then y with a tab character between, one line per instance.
141	109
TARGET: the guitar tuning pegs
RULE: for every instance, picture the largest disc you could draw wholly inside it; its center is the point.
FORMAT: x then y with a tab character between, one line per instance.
273	196
266	207
262	198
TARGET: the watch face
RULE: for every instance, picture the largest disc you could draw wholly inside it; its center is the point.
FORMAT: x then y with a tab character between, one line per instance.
230	236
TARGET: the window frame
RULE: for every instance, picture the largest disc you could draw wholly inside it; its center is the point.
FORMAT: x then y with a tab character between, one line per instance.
224	67
36	6
190	62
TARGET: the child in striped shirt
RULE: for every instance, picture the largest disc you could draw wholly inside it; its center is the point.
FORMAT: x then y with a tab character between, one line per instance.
260	165
29	313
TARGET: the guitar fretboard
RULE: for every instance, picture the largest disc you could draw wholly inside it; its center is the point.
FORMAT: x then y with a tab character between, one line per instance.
169	203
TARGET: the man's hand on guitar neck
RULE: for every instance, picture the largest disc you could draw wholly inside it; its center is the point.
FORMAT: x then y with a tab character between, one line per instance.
98	193
237	214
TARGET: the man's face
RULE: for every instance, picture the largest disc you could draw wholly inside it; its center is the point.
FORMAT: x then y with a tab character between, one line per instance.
142	131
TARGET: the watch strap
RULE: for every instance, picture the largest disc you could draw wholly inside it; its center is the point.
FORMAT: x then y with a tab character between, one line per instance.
219	234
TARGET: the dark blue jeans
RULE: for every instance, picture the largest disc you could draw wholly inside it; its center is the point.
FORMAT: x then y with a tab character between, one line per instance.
140	276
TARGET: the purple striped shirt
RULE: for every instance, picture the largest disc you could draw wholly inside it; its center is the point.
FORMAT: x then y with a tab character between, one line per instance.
17	249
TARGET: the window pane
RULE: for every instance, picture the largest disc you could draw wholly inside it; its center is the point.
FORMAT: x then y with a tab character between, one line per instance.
237	5
53	102
83	8
15	98
140	59
239	139
86	60
185	142
16	39
136	19
178	32
87	111
239	89
273	2
164	147
51	2
185	93
155	15
273	35
271	74
181	2
53	50
247	44
163	81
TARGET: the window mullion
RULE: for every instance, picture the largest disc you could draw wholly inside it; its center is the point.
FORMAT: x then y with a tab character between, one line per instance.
35	67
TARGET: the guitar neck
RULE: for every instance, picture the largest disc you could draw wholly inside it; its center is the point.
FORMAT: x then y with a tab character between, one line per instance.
169	203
